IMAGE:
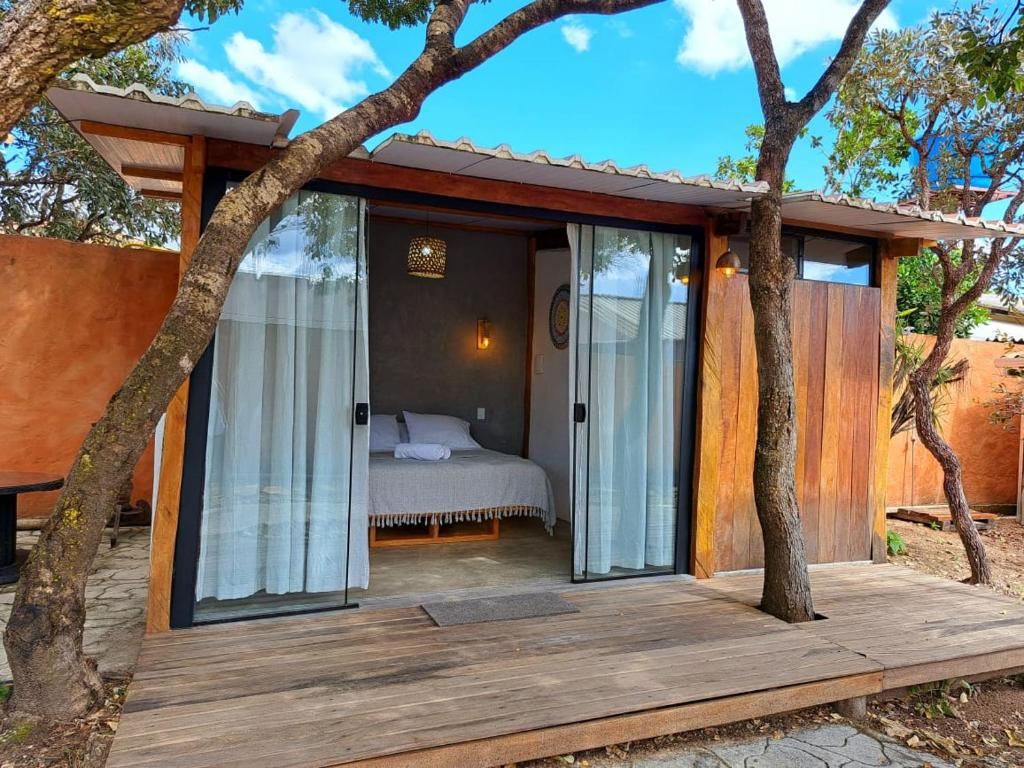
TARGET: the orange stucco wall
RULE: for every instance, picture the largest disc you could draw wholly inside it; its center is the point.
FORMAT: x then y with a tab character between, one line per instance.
987	451
75	319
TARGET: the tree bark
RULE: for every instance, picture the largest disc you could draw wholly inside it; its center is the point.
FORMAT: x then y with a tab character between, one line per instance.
44	635
39	39
787	585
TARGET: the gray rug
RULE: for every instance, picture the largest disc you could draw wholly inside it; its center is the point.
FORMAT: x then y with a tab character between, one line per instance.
525	606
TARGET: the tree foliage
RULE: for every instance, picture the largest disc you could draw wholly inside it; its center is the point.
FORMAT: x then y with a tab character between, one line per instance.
919	296
745	168
993	56
53	184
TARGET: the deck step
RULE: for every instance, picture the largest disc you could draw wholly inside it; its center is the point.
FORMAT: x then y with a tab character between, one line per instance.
938	515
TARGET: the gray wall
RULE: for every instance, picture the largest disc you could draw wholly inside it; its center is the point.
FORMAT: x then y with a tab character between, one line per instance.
423	354
549	392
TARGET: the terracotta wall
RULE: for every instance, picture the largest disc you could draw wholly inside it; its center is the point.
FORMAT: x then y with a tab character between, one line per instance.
988	452
76	318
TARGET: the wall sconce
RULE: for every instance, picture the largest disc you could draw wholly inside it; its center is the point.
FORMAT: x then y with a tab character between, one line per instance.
483	333
728	263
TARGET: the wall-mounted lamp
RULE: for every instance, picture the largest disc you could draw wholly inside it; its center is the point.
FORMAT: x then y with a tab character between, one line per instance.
483	333
728	263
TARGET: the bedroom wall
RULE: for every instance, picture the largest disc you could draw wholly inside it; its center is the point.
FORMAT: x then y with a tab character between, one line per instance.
549	390
423	354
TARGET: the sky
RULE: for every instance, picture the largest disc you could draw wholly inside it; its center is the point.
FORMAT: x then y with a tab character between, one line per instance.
669	86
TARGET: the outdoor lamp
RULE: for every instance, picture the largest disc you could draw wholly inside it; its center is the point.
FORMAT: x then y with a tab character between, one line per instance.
728	263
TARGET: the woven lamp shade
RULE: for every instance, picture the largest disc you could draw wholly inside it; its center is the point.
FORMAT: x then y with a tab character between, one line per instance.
427	257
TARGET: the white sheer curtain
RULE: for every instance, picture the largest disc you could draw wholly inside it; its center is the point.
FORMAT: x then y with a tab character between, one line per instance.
629	328
289	363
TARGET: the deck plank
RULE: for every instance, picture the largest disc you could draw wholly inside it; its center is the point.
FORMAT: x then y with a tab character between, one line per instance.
386	687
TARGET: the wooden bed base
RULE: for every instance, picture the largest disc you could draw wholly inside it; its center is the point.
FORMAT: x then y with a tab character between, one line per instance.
435	535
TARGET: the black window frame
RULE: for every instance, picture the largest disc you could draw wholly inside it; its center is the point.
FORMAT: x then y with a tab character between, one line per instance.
801	233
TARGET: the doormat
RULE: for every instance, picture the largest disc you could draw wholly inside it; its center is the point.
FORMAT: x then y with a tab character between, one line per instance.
525	606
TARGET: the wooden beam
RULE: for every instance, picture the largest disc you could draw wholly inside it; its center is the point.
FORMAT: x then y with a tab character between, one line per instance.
144	172
165	516
450	225
161	194
883	421
441	209
592	734
531	282
709	412
902	247
132	134
249	157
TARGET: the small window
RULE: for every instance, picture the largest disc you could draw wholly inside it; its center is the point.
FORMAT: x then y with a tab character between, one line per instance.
837	261
740	245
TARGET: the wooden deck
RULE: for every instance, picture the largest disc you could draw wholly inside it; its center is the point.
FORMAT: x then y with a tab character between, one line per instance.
388	688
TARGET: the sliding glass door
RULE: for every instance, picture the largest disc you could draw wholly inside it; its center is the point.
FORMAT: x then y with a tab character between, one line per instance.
283	522
631	308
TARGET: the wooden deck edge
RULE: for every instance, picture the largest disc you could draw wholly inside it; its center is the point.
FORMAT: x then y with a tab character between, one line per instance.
593	734
965	667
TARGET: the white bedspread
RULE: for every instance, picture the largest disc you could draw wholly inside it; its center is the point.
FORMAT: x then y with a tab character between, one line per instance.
471	485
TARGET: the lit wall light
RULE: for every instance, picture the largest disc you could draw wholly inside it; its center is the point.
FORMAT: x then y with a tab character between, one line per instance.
483	333
728	263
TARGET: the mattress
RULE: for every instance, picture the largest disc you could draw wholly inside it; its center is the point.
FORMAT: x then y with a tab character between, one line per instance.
471	485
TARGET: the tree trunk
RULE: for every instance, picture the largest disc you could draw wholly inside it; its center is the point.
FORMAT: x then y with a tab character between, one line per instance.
787	585
919	382
952	481
44	634
39	39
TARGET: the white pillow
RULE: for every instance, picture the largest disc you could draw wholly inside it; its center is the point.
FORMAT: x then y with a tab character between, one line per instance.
444	430
384	433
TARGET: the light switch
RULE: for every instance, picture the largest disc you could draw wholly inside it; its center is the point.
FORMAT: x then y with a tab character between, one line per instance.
538	364
481	414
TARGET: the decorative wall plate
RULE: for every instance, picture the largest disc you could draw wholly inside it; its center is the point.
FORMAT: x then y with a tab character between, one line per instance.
558	317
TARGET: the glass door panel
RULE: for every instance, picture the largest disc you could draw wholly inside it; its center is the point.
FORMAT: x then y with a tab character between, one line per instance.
286	464
630	305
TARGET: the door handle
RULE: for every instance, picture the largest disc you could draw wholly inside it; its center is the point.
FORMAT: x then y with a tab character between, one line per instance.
362	414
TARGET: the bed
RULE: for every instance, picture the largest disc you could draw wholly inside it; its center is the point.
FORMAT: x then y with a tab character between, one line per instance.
479	486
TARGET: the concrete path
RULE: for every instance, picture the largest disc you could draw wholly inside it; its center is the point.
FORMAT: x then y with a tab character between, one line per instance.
826	746
115	602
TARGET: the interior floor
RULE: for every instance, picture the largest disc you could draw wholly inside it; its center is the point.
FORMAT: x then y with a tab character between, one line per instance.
524	555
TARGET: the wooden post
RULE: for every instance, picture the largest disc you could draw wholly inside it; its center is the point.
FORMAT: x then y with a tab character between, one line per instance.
165	516
709	411
886	361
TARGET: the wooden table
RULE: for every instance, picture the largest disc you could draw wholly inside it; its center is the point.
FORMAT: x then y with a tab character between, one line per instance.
11	484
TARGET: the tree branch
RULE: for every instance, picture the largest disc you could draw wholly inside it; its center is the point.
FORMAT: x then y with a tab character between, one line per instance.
850	48
770	89
41	38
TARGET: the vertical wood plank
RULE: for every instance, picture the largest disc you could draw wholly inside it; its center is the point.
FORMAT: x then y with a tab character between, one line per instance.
734	299
817	321
831	405
801	331
165	516
746	529
886	361
709	414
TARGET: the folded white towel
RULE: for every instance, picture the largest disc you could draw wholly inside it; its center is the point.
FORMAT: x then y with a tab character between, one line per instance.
423	451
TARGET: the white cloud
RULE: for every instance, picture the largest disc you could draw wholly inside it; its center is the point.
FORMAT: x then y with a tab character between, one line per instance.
577	35
214	85
789	93
715	40
314	62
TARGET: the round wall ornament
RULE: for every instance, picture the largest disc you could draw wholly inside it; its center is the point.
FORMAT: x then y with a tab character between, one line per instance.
558	317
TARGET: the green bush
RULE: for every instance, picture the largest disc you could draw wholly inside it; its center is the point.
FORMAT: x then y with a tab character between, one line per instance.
895	543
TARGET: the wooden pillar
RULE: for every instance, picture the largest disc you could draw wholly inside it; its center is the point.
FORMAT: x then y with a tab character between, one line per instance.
165	516
886	361
709	410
